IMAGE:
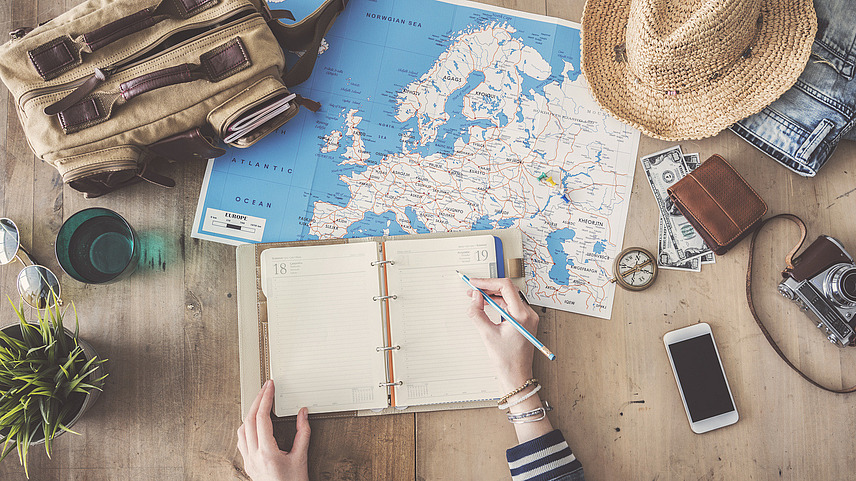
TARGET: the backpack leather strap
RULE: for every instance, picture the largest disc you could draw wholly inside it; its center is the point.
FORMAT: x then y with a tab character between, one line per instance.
789	265
305	35
54	58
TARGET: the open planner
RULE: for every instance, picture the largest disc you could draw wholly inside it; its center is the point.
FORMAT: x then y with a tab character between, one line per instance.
370	325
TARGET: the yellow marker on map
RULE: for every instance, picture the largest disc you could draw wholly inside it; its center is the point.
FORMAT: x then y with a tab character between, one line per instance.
547	179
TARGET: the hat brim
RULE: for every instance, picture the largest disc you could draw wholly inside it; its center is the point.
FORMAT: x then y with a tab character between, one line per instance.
778	57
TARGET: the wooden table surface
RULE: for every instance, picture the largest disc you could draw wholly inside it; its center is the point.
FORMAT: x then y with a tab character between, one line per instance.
171	404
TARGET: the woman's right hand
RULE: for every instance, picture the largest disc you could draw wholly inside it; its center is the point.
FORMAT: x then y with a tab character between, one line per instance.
510	352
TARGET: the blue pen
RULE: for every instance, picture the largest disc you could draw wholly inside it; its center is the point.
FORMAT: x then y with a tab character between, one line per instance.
541	347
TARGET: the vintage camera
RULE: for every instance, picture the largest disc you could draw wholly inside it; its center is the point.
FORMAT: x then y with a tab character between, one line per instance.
823	283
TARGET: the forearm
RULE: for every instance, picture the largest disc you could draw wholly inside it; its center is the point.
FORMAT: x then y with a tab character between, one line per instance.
542	453
531	430
528	431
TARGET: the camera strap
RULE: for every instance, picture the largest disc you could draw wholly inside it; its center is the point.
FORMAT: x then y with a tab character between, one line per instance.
788	266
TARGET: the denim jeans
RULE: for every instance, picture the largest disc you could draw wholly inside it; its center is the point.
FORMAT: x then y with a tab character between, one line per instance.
802	128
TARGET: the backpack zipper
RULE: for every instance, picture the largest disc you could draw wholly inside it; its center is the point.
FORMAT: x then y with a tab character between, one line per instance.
165	44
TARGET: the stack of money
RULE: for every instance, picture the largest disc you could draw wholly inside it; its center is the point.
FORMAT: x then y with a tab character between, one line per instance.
680	247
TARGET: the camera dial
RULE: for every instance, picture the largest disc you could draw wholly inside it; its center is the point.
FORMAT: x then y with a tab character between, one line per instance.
786	292
840	285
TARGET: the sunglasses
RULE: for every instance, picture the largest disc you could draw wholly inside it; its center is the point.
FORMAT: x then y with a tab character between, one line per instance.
38	286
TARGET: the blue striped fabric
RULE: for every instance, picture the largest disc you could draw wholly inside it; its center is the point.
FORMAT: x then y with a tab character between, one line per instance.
547	458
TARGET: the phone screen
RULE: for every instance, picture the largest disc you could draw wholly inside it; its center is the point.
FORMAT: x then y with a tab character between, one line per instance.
701	377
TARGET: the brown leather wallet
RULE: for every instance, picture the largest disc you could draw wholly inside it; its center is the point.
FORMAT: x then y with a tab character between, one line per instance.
719	203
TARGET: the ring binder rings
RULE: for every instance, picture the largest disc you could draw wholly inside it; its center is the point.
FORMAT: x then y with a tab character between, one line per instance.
386	384
387	348
420	355
384	298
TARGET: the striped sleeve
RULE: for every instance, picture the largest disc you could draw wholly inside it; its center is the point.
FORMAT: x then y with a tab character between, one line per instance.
546	458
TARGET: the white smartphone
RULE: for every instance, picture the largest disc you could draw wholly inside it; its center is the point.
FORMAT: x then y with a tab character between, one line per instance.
701	379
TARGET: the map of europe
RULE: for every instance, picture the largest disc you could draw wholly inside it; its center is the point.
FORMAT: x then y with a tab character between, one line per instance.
442	116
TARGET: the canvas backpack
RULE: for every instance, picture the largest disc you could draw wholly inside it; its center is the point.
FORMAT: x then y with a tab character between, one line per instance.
108	87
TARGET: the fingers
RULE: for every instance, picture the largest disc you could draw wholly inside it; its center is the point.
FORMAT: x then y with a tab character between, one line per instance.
250	420
500	302
511	299
242	441
477	314
264	426
500	286
494	284
301	437
495	298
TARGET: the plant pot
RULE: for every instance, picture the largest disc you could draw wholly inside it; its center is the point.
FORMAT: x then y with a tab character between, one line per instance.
83	401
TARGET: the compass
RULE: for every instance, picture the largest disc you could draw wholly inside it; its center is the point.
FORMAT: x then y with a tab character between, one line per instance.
635	269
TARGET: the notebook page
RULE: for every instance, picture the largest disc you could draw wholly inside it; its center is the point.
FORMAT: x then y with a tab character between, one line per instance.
442	358
324	327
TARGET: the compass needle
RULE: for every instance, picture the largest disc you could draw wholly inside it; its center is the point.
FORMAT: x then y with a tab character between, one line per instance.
635	269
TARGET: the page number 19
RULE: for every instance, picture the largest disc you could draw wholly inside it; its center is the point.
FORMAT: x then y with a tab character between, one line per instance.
481	255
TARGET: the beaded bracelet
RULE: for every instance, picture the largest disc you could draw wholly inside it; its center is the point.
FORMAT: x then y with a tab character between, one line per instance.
526	384
527	396
528	416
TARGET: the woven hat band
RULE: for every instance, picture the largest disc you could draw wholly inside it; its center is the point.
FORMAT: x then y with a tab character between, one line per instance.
677	45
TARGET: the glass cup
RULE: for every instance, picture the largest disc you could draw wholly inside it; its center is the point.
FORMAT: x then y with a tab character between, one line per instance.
97	246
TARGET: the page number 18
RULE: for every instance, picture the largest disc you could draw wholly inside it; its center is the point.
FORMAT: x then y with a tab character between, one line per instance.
279	269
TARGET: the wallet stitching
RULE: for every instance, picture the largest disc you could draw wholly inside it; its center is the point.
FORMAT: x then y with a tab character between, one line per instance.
700	221
764	210
718	204
711	233
740	231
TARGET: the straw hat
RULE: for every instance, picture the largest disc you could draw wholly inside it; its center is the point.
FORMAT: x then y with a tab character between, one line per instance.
687	69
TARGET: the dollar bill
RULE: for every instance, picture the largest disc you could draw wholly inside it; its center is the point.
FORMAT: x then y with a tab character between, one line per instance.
662	170
691	161
667	255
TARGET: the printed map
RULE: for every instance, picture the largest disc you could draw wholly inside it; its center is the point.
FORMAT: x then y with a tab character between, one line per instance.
442	116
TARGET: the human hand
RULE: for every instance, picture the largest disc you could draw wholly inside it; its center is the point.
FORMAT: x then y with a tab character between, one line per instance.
510	352
263	460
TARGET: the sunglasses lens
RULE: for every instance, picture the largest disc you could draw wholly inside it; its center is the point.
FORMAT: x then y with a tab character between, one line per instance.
9	241
38	286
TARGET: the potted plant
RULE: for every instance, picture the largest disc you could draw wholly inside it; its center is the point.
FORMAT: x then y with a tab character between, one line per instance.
48	378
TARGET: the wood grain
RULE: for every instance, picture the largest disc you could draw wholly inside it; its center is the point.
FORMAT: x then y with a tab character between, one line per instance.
171	405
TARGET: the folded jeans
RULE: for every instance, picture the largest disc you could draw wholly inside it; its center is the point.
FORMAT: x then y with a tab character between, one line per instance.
804	126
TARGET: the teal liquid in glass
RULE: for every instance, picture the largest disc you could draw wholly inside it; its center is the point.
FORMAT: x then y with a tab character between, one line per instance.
100	248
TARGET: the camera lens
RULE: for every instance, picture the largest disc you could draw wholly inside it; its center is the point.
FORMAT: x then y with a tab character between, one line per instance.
841	285
848	285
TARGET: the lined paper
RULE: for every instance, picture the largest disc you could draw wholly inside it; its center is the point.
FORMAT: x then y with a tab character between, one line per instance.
442	358
324	327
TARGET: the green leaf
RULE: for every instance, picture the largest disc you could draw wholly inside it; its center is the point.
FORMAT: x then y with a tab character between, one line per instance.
11	342
30	334
86	387
11	413
43	392
65	428
7	448
48	439
86	372
24	448
76	322
45	411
